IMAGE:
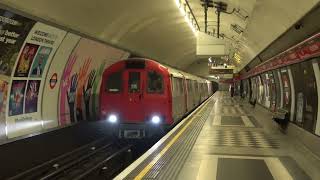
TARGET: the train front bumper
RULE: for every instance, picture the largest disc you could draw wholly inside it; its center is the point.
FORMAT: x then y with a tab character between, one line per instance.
137	131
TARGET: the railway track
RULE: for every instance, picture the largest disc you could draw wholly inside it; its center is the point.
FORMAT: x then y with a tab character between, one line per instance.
100	159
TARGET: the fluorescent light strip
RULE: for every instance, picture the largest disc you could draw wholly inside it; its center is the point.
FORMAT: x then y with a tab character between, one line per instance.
183	11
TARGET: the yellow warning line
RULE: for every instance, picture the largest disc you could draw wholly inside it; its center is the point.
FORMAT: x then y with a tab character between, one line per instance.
165	149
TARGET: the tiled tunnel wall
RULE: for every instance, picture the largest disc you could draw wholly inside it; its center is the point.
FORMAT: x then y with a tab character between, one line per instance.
48	77
293	88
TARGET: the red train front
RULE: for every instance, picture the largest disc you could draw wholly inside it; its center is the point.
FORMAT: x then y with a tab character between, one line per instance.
135	97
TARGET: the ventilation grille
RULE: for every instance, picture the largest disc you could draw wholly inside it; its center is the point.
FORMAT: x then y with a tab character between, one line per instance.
238	29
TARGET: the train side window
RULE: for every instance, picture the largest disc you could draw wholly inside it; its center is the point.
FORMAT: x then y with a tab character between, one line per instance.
155	82
114	82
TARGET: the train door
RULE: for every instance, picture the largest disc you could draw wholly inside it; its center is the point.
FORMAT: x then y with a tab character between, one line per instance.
194	97
183	96
134	89
175	97
189	95
186	94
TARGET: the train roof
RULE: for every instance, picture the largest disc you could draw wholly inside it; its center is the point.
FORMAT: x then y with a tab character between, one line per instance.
180	74
174	72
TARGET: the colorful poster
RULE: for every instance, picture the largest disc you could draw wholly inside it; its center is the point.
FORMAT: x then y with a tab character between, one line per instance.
78	91
32	66
3	108
17	97
40	61
95	91
13	31
25	60
31	97
299	113
3	99
50	91
285	81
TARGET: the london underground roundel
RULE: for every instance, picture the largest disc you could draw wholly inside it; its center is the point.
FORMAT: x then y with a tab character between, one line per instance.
53	80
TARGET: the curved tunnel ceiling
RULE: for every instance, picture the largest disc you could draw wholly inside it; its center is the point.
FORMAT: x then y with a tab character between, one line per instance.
156	29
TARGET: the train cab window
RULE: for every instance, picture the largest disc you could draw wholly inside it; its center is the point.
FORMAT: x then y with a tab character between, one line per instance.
114	82
155	82
134	82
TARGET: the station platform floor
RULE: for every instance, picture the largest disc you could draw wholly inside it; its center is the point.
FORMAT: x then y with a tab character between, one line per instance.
226	138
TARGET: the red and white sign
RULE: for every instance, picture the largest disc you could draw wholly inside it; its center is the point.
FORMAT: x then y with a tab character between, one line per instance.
306	49
53	80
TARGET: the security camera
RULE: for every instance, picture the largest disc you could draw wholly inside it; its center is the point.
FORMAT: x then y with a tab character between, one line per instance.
298	26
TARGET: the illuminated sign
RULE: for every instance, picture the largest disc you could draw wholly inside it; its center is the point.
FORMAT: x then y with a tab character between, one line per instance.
220	71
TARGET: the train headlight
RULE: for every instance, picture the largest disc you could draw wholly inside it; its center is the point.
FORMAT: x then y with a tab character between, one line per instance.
113	118
155	119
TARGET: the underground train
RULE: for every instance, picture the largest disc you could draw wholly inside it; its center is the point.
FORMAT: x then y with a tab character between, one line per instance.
140	97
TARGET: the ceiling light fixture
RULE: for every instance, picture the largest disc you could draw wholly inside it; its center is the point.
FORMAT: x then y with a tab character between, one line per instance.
237	57
188	16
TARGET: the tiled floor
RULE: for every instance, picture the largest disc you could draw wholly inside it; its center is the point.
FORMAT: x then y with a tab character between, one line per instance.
227	139
235	143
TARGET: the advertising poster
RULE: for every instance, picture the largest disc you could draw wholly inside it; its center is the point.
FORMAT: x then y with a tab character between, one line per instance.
285	81
25	60
299	113
40	61
52	86
13	31
286	89
87	61
31	97
3	99
32	66
17	97
3	107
